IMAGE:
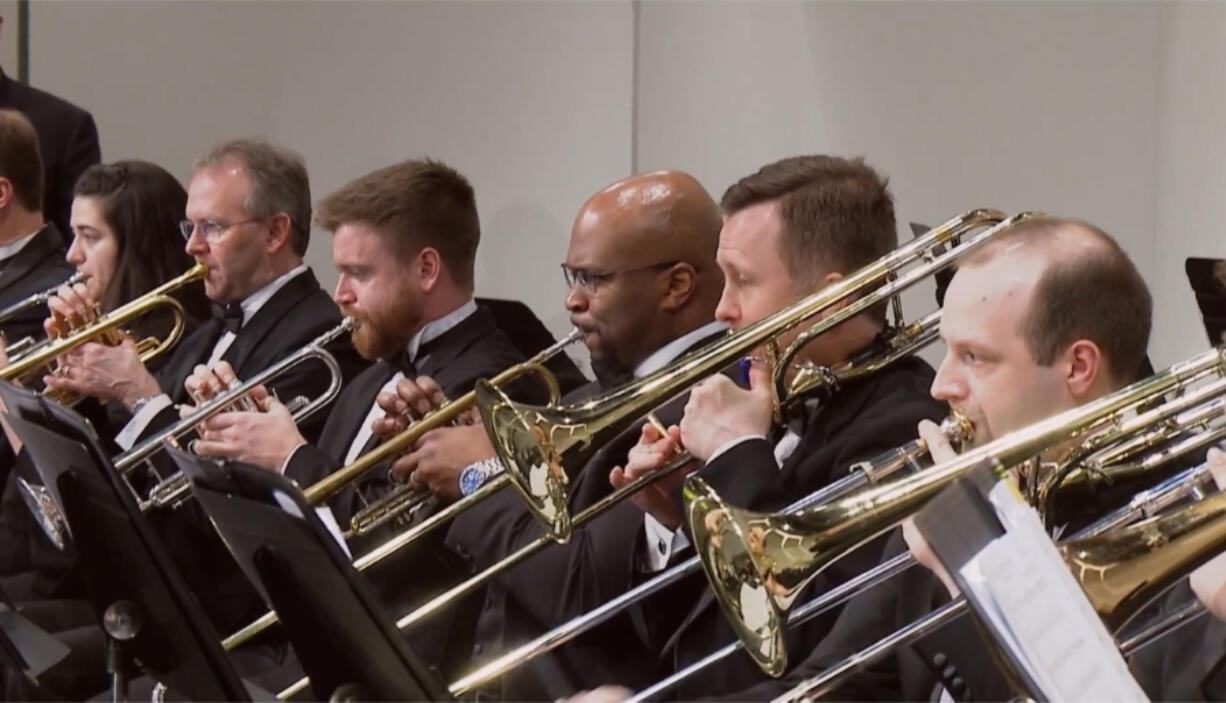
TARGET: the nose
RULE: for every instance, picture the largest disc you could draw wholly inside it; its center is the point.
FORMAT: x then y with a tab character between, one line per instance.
343	295
727	311
948	385
196	244
76	253
576	300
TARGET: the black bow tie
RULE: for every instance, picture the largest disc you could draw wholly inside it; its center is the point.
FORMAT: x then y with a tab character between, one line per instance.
231	316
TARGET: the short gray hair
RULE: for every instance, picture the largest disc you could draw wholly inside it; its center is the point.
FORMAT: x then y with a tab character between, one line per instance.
279	183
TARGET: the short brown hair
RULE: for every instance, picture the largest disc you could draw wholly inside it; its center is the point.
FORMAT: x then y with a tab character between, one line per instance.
413	204
835	213
279	183
1095	294
20	161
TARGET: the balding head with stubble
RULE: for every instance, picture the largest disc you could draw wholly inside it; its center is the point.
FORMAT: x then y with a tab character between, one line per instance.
646	247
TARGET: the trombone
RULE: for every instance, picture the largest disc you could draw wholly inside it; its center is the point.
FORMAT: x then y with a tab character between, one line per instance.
761	563
1119	571
174	490
1190	484
548	443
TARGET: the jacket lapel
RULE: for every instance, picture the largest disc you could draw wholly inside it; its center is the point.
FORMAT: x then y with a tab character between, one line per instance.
268	318
444	349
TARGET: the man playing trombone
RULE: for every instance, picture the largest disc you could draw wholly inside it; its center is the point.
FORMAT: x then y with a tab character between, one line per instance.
642	285
404	240
791	228
1048	316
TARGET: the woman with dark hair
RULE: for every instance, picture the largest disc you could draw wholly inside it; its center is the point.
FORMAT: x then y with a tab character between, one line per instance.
126	240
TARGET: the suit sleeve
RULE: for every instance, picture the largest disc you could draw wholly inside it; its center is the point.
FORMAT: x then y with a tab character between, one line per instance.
81	152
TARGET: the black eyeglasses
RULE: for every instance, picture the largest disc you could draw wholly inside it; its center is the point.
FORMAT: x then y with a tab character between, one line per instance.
591	281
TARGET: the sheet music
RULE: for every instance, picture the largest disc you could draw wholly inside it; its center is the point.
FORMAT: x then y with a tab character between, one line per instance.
1040	614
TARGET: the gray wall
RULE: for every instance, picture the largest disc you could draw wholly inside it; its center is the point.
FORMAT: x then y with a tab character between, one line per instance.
1109	112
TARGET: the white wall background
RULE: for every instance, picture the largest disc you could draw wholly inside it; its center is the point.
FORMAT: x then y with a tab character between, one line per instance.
1105	111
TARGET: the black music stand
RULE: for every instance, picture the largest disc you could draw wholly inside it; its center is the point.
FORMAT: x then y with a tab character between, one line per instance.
1208	280
344	640
146	609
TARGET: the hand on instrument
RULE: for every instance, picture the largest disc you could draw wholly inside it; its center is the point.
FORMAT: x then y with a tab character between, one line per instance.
926	557
104	372
414	397
653	452
436	460
938	446
71	307
604	694
265	439
206	383
719	411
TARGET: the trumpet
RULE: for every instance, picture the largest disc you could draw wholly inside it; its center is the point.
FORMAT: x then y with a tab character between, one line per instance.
549	443
105	327
27	344
761	563
174	490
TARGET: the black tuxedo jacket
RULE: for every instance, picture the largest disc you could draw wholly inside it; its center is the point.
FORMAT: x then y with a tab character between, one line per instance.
37	267
863	419
563	581
67	140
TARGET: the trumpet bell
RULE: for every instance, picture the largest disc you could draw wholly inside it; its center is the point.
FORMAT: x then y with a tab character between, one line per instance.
532	444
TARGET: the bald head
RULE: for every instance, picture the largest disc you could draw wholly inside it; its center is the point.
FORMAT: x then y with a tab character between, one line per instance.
666	215
1086	287
646	247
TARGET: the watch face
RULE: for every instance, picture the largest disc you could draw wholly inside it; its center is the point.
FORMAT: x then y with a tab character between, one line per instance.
471	479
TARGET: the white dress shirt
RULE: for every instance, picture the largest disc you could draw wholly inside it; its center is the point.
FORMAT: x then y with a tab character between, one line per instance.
251	305
13	248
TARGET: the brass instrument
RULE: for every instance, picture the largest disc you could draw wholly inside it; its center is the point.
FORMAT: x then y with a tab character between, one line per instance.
23	346
442	416
905	459
548	443
504	419
110	324
759	563
1191	484
173	491
1120	571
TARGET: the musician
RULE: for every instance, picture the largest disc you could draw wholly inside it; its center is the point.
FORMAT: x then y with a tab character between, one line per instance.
792	228
1048	316
31	259
125	240
248	213
642	288
404	239
67	138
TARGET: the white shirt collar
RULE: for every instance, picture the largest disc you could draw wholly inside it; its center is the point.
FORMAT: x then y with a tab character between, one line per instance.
252	303
662	356
435	328
8	251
